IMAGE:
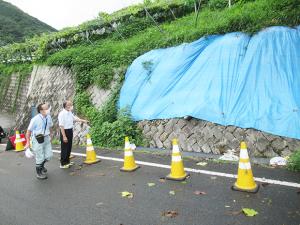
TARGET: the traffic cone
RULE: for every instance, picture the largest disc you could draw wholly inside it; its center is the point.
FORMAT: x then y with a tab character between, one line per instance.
90	152
177	168
19	143
245	181
129	162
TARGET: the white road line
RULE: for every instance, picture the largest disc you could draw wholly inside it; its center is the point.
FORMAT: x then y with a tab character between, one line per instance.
207	172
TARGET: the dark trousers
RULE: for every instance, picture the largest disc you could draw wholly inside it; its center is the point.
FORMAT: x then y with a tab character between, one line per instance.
66	147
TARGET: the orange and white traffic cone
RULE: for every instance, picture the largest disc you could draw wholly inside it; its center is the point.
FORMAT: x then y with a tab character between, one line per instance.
129	162
90	152
177	168
245	181
19	143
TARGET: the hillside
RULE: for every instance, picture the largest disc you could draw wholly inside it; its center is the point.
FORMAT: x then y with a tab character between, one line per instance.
15	25
96	49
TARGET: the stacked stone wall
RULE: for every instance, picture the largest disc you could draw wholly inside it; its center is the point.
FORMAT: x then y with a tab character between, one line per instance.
201	136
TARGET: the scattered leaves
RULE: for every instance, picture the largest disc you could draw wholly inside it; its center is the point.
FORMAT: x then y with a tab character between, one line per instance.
199	193
73	173
172	192
126	194
201	164
99	204
96	174
249	212
162	180
151	184
170	213
264	184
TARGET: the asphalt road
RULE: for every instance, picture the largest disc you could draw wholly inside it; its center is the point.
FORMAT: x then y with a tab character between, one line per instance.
88	195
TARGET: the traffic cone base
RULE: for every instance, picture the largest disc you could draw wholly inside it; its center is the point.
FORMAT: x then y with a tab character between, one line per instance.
123	169
170	177
235	187
92	161
177	168
245	180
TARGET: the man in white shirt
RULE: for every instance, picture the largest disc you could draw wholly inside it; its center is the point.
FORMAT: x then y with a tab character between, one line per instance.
66	122
40	130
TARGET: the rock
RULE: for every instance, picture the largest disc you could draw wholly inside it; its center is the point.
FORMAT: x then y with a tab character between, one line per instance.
164	136
186	130
269	153
279	144
196	147
167	144
217	133
262	144
181	123
159	144
206	149
286	152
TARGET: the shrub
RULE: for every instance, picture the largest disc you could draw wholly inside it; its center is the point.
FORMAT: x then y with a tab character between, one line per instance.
294	161
111	134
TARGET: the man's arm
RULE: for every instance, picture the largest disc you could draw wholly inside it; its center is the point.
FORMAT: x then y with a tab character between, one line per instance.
28	135
77	119
62	130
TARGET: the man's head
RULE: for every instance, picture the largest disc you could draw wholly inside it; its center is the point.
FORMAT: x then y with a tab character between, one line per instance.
42	109
68	105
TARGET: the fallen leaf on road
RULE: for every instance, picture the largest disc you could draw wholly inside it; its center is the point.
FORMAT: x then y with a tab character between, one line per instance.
213	178
201	164
249	212
72	173
170	213
264	184
99	204
162	180
151	184
199	193
126	194
95	175
227	206
172	192
78	168
183	182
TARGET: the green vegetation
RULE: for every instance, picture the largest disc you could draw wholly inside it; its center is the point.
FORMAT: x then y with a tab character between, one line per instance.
15	25
294	161
164	23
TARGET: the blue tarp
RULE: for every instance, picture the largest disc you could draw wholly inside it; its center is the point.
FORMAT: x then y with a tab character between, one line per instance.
231	79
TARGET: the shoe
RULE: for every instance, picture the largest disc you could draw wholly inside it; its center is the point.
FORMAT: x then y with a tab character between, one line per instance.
64	166
39	174
44	170
71	164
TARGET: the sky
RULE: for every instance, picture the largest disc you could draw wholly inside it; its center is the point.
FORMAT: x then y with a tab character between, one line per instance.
67	13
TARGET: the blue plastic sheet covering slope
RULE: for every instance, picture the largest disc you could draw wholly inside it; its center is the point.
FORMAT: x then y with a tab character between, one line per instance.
232	79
